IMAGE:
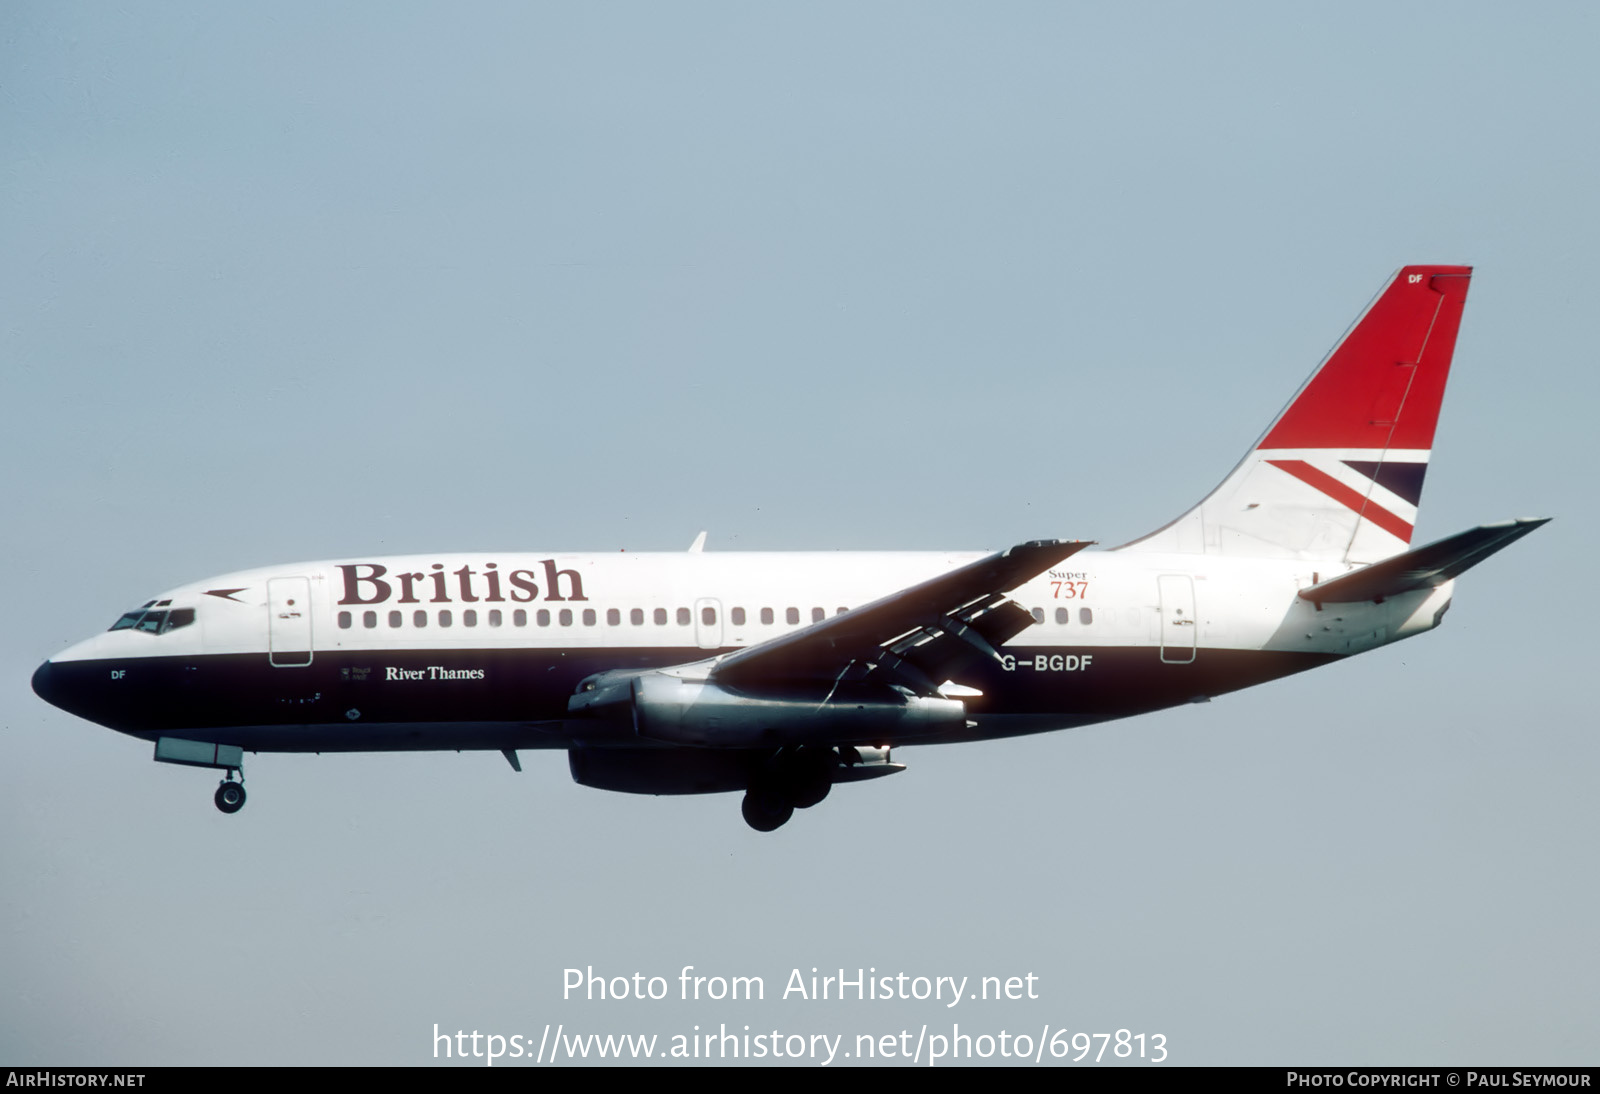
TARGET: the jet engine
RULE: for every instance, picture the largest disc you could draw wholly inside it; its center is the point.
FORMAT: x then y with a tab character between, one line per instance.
676	709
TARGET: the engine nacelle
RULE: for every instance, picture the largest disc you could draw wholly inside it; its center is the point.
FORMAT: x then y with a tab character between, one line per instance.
662	770
701	713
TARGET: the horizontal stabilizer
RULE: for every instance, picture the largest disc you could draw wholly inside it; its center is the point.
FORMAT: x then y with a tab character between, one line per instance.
1422	568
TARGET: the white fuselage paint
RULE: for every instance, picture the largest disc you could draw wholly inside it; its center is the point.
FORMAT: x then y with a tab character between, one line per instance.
1112	601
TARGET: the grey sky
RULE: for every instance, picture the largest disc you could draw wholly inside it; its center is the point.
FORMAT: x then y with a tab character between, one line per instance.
307	281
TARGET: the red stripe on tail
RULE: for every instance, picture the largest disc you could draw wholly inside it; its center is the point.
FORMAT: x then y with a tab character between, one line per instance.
1347	497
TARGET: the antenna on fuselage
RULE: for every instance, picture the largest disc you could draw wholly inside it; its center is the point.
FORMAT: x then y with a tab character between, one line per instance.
698	545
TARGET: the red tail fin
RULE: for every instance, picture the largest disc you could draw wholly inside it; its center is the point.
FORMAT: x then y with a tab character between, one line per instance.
1338	475
1382	385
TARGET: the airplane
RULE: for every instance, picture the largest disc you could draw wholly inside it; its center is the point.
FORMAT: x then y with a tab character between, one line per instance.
784	674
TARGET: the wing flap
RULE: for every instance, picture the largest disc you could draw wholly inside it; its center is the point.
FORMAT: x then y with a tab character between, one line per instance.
913	634
944	649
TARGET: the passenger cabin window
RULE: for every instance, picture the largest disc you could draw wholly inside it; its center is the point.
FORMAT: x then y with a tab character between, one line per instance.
469	618
394	619
636	617
588	617
791	615
817	615
1063	615
766	616
661	617
444	617
369	620
737	615
1085	615
344	621
708	616
613	617
519	618
495	618
683	617
542	617
565	617
1038	615
419	618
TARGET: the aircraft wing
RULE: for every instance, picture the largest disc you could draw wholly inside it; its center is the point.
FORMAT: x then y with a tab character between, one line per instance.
917	636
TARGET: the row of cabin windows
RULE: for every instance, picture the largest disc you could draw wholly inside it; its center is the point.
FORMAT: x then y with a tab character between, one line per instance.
564	617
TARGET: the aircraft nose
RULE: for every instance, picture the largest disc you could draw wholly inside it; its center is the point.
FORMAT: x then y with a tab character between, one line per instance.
44	685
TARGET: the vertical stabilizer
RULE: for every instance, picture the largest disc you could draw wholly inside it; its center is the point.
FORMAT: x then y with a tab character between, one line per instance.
1338	476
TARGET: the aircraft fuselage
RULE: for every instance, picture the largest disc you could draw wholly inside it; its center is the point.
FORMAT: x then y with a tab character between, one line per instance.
485	651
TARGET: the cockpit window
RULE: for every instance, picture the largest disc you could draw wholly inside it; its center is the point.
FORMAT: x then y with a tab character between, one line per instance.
155	622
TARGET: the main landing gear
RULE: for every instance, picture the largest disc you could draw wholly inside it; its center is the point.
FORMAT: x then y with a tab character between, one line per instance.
230	795
794	778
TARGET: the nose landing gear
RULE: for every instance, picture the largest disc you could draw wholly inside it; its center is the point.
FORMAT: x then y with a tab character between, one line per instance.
230	795
228	759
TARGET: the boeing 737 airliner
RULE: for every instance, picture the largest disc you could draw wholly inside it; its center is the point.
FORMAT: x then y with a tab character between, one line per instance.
783	674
